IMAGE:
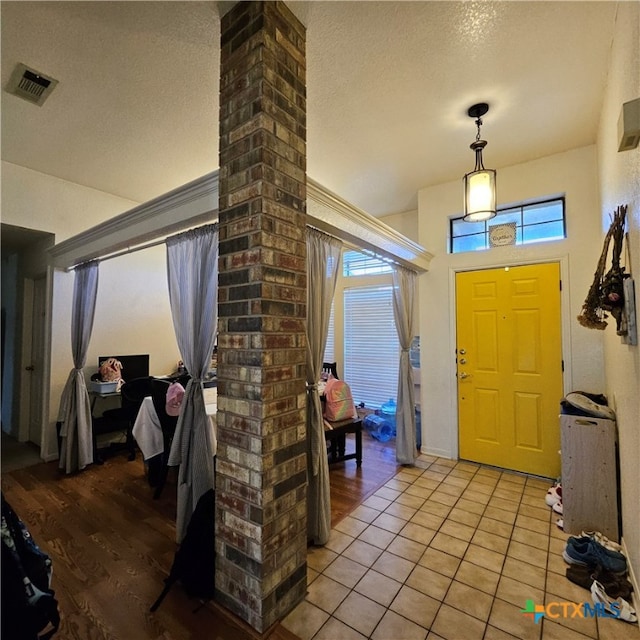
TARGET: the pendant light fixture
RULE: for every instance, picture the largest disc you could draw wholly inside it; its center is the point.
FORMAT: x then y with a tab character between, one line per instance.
479	184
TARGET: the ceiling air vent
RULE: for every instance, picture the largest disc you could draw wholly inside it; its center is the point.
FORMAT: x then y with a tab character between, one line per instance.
30	84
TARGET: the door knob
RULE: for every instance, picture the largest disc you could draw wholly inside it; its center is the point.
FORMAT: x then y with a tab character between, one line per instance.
464	375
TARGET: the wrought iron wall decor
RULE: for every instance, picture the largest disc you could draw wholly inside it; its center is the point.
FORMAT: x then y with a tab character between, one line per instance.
609	292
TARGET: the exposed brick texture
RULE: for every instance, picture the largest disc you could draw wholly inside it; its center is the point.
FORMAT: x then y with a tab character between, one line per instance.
261	466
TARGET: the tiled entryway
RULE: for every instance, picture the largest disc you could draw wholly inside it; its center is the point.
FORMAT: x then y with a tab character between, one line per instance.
446	550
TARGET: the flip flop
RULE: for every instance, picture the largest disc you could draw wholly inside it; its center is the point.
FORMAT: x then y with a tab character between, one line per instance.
624	610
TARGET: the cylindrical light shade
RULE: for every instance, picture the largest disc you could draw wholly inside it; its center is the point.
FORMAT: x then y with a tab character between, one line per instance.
479	195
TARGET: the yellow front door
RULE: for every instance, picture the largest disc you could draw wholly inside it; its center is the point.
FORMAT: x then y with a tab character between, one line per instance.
509	367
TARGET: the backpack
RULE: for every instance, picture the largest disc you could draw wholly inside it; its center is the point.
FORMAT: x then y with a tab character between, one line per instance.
28	603
339	403
194	564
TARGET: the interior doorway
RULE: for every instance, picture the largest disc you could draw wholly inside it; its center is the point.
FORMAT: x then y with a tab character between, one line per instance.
509	367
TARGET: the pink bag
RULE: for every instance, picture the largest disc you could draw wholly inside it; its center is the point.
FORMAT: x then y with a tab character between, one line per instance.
339	403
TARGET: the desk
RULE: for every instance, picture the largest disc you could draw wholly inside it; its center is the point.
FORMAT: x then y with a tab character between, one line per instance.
147	430
336	434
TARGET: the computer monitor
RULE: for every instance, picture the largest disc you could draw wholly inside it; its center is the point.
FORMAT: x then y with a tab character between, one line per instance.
133	366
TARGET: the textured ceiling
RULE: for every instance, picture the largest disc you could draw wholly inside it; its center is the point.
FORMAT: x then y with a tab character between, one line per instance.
388	84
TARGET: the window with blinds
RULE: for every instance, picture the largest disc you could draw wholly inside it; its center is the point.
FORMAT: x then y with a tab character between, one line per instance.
329	350
371	347
355	263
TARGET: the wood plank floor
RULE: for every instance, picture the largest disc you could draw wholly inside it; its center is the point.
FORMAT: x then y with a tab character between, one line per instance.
112	545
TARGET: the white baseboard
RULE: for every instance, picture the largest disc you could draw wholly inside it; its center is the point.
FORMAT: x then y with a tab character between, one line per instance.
635	598
438	453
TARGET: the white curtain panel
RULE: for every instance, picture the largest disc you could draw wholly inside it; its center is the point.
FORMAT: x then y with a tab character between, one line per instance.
404	288
192	270
323	257
74	415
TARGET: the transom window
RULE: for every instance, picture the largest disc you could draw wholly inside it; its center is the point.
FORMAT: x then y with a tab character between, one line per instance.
537	222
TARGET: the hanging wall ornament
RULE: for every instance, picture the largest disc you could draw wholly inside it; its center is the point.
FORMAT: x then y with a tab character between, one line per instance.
606	293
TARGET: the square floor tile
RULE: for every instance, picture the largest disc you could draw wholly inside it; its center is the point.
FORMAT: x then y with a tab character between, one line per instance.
470	600
427	483
415	532
376	536
429	582
319	558
387	493
436	508
501	515
334	628
525	573
524	552
389	522
539	513
453	624
443	498
400	511
457	530
486	558
532	538
428	520
394	626
345	571
517	592
406	548
305	620
477	496
532	524
480	486
365	513
338	541
470	506
495	527
415	606
504	504
490	541
378	587
440	561
360	613
362	552
572	620
351	526
450	489
459	514
393	566
375	502
410	501
326	593
449	544
478	577
509	618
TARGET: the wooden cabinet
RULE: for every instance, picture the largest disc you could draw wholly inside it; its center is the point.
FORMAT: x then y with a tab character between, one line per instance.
590	492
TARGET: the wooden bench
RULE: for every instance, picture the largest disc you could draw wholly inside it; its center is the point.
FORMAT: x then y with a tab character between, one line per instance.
336	435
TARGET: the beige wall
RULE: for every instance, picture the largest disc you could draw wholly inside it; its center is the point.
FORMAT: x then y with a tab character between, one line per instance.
132	310
619	174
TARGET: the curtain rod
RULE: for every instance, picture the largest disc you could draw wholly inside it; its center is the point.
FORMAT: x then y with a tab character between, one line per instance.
122	252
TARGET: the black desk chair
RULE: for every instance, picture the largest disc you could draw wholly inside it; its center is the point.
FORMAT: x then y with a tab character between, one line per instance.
121	419
330	368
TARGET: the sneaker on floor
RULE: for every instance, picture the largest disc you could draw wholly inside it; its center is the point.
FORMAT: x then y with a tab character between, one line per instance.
586	551
603	540
554	495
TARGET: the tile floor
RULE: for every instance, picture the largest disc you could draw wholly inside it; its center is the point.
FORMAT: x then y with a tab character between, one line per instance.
445	550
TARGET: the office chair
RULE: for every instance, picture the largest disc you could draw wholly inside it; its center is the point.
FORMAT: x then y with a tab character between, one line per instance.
121	419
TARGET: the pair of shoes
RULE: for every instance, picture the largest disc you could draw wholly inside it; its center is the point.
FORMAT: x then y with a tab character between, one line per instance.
588	552
554	495
603	540
615	586
618	607
580	574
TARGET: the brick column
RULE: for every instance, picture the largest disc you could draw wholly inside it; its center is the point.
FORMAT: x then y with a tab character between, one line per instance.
261	465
